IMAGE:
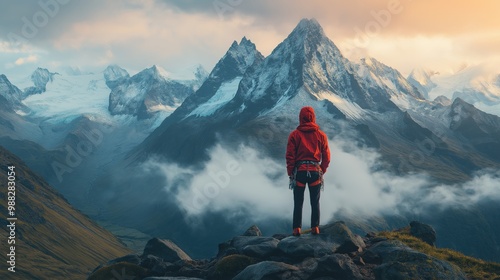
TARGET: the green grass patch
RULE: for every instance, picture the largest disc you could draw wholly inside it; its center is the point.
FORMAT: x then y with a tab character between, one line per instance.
474	268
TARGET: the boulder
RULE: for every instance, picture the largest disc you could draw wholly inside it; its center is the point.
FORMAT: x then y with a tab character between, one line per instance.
341	234
132	258
120	270
402	262
280	236
156	265
230	266
308	246
225	249
165	249
171	278
267	270
423	232
338	265
255	246
252	231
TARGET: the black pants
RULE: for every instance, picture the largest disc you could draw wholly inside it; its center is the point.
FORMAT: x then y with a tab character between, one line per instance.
298	198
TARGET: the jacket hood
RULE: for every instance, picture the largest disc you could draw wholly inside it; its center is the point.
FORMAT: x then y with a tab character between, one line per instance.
307	119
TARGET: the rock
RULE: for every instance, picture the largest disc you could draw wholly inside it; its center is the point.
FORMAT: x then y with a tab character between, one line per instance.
121	270
280	236
267	270
156	266
225	249
371	257
165	249
171	278
252	231
190	268
349	242
423	232
340	266
255	246
308	246
132	258
402	262
230	266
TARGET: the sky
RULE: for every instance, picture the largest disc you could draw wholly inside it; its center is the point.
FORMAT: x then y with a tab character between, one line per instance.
179	35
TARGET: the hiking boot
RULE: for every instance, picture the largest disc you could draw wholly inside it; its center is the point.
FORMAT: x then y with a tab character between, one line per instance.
296	231
315	230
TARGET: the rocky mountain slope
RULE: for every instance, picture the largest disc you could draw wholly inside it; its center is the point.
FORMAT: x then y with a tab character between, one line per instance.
336	253
145	93
53	240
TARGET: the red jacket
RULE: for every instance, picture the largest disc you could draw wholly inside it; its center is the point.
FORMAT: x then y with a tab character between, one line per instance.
307	142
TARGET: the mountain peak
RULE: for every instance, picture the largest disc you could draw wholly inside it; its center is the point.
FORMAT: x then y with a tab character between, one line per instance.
307	30
159	70
41	77
245	48
155	72
307	37
113	74
238	58
311	25
11	93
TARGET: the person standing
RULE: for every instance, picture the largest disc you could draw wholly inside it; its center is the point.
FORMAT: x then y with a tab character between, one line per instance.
307	159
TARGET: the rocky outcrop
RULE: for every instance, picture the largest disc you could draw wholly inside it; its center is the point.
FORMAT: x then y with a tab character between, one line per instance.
400	262
335	253
165	249
423	232
40	78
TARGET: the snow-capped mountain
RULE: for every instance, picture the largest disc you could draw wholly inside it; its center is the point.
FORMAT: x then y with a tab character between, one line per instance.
478	85
421	79
12	94
115	75
378	75
40	78
71	110
307	68
145	93
218	89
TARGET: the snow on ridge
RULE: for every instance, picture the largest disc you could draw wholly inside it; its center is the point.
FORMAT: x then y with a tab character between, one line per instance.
348	108
68	97
225	93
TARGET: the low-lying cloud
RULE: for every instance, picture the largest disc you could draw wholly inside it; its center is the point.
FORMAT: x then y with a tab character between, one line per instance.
243	183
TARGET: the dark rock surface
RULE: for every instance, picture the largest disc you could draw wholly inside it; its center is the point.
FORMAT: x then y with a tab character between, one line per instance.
401	262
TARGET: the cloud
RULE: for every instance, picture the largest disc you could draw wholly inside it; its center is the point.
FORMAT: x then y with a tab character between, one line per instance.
243	184
29	59
179	34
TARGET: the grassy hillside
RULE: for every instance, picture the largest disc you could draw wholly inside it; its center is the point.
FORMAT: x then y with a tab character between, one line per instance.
53	240
474	268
